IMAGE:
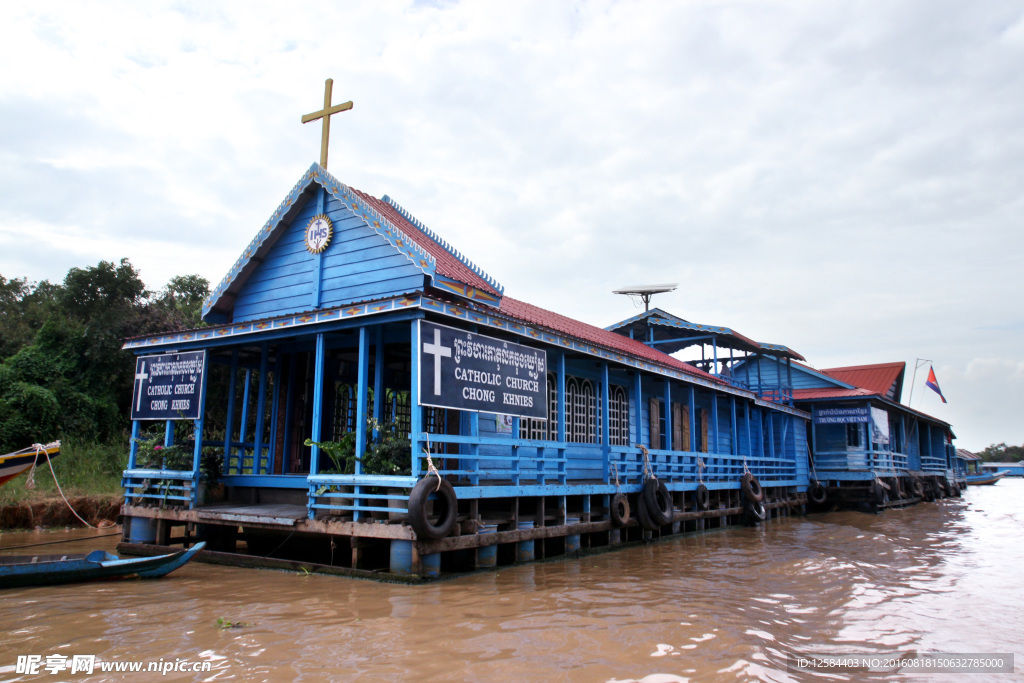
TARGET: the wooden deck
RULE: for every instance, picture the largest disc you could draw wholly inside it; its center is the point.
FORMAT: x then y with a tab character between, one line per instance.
277	514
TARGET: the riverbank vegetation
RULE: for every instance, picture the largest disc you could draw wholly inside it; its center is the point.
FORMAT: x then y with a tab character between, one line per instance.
1000	452
63	374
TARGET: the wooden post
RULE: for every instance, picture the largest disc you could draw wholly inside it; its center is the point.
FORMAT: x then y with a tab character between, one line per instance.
261	409
197	453
606	450
415	412
230	423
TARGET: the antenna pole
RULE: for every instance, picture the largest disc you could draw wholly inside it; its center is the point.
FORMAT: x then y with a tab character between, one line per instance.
917	364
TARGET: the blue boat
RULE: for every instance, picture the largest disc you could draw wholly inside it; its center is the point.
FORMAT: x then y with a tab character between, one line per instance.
985	478
17	571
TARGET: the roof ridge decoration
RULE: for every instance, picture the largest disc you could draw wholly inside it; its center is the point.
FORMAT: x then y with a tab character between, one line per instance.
444	244
409	247
652	313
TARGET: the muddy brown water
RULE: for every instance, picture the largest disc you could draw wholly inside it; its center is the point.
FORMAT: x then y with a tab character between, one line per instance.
940	577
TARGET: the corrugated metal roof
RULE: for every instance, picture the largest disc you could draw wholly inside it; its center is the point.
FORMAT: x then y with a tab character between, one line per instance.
877	378
965	454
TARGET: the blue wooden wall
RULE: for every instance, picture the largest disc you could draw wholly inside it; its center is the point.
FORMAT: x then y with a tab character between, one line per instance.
358	265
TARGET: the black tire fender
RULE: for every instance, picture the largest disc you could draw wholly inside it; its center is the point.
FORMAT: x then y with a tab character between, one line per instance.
618	510
817	493
643	515
917	487
703	497
756	511
752	488
419	504
658	500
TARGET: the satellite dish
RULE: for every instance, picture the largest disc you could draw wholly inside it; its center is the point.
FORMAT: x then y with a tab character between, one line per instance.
638	293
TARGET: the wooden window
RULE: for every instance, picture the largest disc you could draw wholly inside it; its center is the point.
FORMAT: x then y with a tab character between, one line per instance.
677	428
703	418
654	422
540	429
853	435
396	409
618	417
580	411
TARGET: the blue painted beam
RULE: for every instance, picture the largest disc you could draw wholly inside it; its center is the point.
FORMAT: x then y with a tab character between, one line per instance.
261	410
230	422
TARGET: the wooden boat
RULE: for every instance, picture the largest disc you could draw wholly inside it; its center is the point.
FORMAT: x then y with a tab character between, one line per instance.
985	478
13	464
43	570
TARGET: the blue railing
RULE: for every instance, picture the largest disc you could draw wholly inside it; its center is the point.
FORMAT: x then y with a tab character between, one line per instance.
861	460
163	488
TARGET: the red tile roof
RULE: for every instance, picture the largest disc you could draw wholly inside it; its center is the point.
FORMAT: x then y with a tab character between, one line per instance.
534	315
833	392
877	378
447	263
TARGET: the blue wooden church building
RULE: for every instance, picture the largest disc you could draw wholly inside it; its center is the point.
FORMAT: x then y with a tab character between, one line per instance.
367	400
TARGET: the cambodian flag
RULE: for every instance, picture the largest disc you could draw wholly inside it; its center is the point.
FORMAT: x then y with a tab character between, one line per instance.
933	383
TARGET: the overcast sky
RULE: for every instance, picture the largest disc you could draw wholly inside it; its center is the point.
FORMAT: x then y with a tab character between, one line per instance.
845	178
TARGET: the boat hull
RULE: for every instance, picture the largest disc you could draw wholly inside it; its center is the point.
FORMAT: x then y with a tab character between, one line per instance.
984	479
46	570
13	464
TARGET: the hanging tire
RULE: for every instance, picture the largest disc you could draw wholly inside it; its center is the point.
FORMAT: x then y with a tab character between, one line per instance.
817	493
703	497
445	506
658	500
643	515
917	487
752	488
899	488
880	495
756	511
619	510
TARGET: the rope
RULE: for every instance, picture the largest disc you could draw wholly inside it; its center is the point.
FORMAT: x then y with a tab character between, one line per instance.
647	473
430	465
54	543
30	483
746	470
700	470
615	471
41	449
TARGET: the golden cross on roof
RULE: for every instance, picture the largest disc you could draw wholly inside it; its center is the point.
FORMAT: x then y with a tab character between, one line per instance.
325	114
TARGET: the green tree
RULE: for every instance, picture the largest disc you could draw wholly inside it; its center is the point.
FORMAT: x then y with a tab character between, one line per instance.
62	368
1000	452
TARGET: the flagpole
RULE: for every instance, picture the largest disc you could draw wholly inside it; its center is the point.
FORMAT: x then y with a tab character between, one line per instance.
913	381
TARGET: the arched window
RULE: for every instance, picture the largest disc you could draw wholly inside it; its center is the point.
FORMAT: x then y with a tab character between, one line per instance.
580	411
618	416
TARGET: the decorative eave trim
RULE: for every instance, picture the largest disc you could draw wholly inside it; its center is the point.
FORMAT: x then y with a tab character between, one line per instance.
447	247
501	322
307	318
412	250
465	291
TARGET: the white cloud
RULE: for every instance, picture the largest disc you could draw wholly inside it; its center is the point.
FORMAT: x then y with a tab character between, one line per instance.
841	178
